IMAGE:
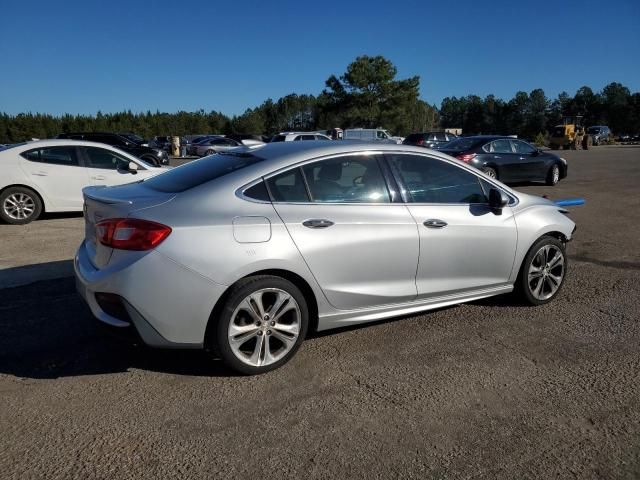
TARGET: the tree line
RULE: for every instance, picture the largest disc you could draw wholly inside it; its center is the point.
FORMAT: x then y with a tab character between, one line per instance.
368	95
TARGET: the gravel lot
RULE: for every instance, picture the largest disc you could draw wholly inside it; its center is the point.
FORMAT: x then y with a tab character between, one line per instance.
485	390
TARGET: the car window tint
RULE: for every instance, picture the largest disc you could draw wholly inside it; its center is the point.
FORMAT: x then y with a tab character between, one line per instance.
278	138
500	146
522	147
288	187
429	180
440	137
105	159
308	137
54	156
257	192
349	179
322	137
298	138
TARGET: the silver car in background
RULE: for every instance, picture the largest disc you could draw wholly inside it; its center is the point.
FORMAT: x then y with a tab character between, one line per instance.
213	145
255	249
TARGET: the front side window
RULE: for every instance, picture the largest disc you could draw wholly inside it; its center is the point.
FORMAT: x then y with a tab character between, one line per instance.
105	159
522	147
348	179
429	180
322	137
54	156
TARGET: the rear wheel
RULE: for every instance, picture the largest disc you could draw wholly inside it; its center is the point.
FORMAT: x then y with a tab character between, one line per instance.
553	176
261	324
19	205
491	172
151	159
543	271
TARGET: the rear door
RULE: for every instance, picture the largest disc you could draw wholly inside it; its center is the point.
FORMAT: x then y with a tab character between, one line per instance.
501	154
106	167
361	247
58	171
464	246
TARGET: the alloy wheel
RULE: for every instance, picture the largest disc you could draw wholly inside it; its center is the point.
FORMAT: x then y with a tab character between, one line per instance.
556	174
19	206
264	327
546	272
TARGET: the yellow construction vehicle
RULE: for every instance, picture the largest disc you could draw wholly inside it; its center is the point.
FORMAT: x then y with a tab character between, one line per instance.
570	135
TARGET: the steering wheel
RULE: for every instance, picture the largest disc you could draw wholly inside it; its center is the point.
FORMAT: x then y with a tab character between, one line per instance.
357	181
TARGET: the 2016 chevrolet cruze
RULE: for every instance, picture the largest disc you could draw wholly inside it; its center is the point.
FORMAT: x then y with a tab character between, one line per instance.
246	252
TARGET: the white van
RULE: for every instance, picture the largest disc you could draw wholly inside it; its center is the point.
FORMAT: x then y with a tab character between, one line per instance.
368	135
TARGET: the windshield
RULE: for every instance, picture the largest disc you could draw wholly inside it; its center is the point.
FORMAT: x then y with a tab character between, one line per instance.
201	171
463	143
133	137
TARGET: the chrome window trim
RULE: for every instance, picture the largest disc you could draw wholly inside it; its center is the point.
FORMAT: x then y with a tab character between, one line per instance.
240	191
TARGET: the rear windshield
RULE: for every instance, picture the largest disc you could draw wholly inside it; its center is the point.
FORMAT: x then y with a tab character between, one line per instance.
464	143
201	171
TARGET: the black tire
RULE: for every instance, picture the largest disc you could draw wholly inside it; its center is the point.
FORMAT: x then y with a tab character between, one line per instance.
220	339
523	288
151	159
29	199
492	172
553	175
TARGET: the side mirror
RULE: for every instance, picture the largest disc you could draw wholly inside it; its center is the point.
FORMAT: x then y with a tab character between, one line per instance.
535	153
133	167
497	200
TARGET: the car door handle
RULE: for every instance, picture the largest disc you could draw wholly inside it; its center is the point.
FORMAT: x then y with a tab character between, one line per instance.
98	177
317	223
40	174
497	156
434	223
522	158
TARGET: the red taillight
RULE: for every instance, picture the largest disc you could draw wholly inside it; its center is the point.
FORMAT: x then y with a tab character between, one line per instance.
131	233
420	142
466	157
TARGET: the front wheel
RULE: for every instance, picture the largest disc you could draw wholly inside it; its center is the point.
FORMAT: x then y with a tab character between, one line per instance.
261	324
19	206
553	176
543	271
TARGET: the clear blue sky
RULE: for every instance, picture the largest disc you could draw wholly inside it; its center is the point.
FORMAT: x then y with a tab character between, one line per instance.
81	57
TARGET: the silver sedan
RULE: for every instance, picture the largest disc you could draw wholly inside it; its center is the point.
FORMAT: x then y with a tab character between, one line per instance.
254	249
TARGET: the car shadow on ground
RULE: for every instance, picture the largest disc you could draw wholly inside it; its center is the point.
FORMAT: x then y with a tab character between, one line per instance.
59	215
46	332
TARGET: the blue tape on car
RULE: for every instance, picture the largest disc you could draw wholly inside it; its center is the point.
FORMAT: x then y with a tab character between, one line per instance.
569	202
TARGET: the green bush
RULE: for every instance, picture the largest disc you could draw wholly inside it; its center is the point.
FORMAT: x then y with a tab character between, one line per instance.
540	140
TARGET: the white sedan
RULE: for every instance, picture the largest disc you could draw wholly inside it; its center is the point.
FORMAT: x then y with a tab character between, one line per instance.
49	175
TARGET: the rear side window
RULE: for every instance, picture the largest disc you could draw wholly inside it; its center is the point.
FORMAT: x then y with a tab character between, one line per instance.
201	171
54	156
288	187
429	180
462	144
257	192
278	138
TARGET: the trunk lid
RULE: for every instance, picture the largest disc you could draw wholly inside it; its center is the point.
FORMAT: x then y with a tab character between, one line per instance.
101	203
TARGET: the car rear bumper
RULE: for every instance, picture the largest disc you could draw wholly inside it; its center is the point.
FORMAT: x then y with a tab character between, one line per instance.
167	305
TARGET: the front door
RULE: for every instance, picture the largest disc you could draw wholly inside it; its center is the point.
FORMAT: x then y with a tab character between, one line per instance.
361	248
106	167
464	246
